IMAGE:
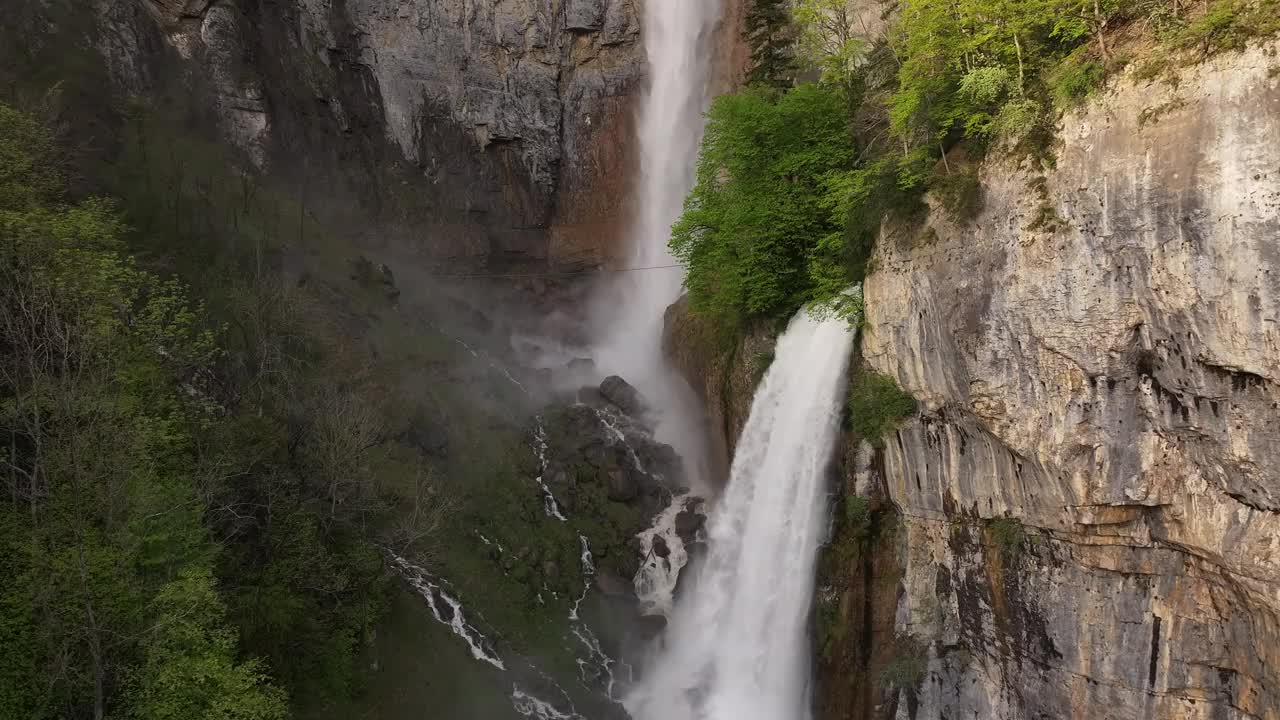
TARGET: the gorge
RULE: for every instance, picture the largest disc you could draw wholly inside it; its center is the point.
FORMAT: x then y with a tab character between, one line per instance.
451	358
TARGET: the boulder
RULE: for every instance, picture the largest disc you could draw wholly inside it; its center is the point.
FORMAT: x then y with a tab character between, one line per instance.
660	546
689	521
620	394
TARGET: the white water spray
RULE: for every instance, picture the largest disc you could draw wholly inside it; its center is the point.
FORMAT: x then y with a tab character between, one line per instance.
677	38
737	647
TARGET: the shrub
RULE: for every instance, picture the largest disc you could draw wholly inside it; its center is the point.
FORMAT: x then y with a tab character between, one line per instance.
876	404
1007	535
909	665
1078	77
960	193
857	517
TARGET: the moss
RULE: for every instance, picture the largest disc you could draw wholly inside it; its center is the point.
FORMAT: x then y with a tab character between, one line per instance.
876	405
1007	535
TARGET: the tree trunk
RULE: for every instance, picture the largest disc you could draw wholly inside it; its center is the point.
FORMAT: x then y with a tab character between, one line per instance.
1021	73
1100	24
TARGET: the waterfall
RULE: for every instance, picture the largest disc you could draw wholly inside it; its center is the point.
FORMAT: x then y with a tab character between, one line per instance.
737	647
629	315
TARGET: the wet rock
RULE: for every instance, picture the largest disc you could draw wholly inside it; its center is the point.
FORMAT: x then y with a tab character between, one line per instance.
622	395
689	522
660	546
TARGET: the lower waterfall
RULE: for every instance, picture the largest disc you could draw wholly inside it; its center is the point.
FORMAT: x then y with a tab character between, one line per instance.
737	646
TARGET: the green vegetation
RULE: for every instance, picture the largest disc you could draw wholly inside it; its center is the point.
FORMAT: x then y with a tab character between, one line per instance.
105	396
857	518
1007	535
795	181
767	33
876	405
190	503
909	665
754	227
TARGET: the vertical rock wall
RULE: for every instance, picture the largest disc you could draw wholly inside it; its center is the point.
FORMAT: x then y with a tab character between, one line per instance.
486	133
1091	501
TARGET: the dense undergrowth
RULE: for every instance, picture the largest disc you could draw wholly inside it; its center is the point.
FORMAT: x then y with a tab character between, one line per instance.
857	110
195	491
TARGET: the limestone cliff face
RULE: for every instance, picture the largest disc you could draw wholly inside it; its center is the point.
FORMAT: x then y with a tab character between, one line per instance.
1111	382
513	118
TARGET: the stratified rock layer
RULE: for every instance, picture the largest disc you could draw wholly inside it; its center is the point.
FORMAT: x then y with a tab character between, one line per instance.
1111	382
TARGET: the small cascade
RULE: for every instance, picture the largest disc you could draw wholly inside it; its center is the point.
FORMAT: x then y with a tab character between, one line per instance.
610	423
532	707
549	504
596	658
447	610
655	582
588	570
493	365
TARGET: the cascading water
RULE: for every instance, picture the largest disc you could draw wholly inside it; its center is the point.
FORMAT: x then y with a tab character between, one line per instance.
629	322
737	647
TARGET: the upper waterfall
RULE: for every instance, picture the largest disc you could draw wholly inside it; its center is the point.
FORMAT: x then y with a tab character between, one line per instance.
738	647
629	313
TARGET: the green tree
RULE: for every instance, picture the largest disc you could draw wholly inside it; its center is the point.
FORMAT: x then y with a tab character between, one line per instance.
190	670
768	34
753	227
833	41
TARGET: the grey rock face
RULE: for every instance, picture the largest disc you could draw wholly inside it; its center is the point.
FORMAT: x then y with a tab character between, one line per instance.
1113	385
515	115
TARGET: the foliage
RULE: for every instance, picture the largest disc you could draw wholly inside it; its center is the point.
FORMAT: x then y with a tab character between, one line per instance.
190	668
767	33
1076	78
136	431
1007	535
101	394
857	517
876	405
909	665
831	42
757	228
1224	25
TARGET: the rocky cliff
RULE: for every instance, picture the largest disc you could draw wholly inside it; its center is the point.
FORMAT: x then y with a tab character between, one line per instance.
1089	502
483	133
